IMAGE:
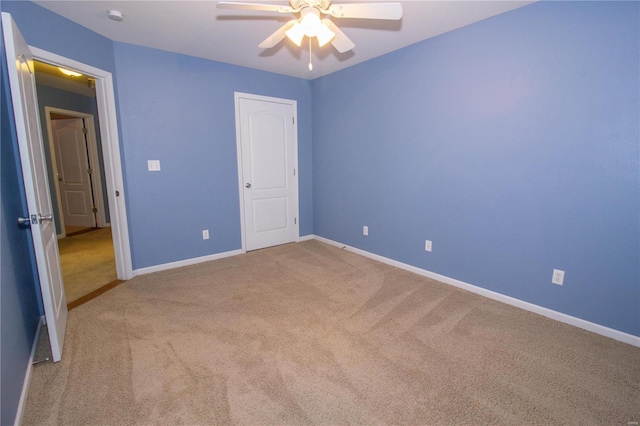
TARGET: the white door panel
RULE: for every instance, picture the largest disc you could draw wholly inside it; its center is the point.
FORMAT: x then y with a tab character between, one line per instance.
270	214
76	204
267	145
25	107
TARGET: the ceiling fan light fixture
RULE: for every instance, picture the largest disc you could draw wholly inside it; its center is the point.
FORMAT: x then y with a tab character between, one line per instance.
311	23
295	33
325	35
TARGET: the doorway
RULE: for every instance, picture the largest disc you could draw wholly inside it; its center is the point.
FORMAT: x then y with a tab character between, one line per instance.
85	244
76	170
106	247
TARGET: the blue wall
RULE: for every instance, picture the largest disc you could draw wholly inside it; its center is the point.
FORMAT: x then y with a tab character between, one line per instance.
19	309
180	110
511	143
53	97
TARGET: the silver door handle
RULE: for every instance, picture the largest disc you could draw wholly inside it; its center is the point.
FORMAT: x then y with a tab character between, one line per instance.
247	185
48	217
24	221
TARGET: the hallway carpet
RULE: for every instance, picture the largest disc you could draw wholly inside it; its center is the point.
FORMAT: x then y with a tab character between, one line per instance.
88	262
307	333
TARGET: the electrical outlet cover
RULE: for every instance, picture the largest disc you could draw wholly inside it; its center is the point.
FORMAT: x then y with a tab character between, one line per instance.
558	277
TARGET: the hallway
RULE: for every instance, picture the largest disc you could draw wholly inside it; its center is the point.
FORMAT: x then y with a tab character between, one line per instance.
88	262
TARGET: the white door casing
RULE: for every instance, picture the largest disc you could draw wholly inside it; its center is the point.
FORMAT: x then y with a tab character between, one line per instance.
105	99
266	133
25	107
73	172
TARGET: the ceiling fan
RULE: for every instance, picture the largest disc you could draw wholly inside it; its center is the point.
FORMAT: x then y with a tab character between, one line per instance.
310	22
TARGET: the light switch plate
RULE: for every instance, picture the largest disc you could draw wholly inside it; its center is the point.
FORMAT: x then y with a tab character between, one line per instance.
153	165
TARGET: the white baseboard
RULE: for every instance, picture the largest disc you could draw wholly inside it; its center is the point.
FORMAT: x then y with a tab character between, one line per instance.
186	262
549	313
27	377
197	260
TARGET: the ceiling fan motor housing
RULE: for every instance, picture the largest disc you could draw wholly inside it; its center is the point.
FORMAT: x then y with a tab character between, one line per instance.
300	4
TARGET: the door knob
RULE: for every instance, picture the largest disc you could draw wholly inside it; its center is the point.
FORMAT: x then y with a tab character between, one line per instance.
247	185
24	221
42	218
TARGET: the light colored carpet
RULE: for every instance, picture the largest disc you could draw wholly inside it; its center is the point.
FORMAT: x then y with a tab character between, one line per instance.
88	262
310	334
70	229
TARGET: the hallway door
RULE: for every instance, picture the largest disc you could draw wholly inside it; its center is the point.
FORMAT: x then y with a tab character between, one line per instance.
74	172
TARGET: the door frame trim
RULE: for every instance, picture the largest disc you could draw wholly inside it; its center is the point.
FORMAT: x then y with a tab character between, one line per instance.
96	179
294	104
105	99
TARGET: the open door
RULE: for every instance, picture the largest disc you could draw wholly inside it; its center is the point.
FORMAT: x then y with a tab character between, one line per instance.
25	107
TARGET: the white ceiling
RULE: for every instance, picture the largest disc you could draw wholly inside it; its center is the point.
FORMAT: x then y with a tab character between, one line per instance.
199	29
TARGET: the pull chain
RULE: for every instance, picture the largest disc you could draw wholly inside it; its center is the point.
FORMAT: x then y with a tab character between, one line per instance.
310	64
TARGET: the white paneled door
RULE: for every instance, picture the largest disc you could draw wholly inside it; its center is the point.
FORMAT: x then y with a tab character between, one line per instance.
43	230
74	172
267	144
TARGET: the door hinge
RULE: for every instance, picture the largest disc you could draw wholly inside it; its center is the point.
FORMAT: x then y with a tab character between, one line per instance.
294	172
85	130
293	120
295	220
89	171
95	210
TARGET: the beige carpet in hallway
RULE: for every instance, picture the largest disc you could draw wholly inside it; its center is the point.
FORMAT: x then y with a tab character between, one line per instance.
87	261
70	229
307	333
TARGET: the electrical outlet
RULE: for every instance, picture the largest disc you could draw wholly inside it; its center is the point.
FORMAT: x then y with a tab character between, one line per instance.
365	230
558	277
428	245
205	234
153	165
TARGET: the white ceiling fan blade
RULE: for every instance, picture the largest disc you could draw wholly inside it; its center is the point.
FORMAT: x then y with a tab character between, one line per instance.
392	11
278	36
341	42
254	6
